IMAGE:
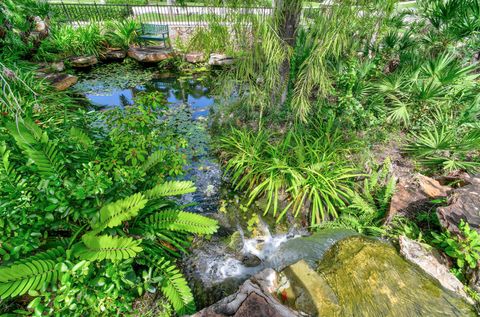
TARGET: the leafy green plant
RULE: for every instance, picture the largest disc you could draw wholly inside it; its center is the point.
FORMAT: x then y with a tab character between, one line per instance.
464	248
303	172
122	34
143	226
66	40
369	203
445	143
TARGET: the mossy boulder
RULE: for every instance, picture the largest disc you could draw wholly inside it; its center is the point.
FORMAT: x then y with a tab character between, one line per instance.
370	278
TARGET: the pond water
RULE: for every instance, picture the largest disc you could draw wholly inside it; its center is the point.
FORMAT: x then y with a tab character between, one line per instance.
190	102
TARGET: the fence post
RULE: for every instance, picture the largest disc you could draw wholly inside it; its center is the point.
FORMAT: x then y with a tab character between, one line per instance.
66	12
99	17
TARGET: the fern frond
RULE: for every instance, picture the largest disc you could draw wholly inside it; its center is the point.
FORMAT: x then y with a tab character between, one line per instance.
362	205
36	145
25	133
153	160
115	213
175	288
7	168
47	159
177	220
98	248
80	137
388	192
171	188
32	273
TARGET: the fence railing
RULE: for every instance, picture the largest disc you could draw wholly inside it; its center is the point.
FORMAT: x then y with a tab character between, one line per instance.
173	15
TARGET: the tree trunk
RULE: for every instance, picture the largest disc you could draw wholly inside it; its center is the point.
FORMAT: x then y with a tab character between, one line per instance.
287	16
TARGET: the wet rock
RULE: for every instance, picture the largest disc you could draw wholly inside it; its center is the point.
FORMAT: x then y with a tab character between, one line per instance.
195	57
251	260
415	194
150	54
309	292
220	60
430	261
115	54
369	276
62	81
83	61
253	299
463	203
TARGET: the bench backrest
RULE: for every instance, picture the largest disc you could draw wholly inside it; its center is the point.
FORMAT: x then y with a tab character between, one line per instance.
150	28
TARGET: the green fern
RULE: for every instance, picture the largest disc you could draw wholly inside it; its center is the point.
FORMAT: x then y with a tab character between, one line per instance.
175	287
37	146
171	188
153	160
98	248
47	159
117	212
80	137
7	168
177	220
31	273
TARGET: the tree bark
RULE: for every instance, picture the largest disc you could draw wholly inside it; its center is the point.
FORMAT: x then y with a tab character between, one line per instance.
287	16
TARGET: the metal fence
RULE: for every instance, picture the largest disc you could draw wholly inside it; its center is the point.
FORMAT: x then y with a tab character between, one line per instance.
173	15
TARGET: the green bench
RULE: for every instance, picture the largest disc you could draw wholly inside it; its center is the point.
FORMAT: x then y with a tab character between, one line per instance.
155	32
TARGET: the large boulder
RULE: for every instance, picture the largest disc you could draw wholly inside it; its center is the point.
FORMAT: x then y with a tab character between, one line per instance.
463	203
253	299
150	54
370	276
432	263
415	194
220	60
83	61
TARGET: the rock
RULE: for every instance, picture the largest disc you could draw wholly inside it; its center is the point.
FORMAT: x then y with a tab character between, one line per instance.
253	299
61	81
369	276
40	25
432	263
251	260
415	194
195	57
463	203
220	60
54	67
311	293
83	61
115	54
150	54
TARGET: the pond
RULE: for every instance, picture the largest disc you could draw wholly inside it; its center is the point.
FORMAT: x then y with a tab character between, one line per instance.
189	100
